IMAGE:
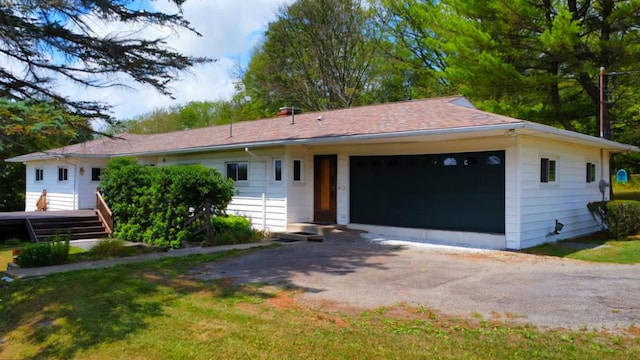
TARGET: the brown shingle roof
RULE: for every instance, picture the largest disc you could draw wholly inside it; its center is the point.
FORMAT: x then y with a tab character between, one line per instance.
387	118
384	119
97	148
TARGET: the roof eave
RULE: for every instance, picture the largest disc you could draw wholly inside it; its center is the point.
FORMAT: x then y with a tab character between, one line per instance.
50	156
330	139
609	145
534	127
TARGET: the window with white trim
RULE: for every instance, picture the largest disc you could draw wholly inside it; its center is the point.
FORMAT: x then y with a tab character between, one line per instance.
63	174
547	170
297	170
591	172
277	169
39	174
238	171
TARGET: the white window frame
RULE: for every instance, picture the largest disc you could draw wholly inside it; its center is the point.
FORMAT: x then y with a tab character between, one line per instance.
235	176
277	170
293	171
39	175
63	174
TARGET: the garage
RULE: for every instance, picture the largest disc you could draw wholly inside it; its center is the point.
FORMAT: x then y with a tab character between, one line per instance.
455	191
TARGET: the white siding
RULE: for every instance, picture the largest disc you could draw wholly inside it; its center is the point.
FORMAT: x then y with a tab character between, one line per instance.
343	208
299	193
512	196
260	198
531	207
61	195
86	186
565	200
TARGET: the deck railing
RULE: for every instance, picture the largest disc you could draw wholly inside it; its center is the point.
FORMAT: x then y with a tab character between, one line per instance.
104	213
201	220
41	205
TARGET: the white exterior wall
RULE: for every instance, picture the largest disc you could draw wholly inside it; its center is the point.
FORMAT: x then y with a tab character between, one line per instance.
565	199
61	195
87	187
299	193
78	192
531	207
263	200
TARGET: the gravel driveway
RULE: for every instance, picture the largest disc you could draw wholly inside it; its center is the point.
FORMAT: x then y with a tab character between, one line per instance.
347	270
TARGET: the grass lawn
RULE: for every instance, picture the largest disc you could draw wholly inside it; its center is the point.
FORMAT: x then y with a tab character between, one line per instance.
156	310
6	254
77	254
628	191
597	247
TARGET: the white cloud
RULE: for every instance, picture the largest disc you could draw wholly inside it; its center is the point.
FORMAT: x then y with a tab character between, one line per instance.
230	29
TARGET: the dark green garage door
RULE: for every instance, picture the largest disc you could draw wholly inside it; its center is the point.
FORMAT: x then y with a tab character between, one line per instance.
461	191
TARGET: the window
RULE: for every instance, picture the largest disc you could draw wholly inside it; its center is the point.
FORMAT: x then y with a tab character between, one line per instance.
237	171
297	170
277	169
95	174
63	174
39	174
494	160
547	170
450	161
591	172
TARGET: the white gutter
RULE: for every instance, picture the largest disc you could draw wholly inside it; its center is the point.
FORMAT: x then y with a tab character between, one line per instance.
608	144
328	140
604	143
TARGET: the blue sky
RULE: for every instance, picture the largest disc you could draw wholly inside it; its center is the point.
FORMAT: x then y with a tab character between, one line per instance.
230	29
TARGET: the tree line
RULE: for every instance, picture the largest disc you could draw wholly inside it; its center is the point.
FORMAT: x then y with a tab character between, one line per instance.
534	60
537	60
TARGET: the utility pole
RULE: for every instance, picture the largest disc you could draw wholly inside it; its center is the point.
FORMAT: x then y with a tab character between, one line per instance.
602	102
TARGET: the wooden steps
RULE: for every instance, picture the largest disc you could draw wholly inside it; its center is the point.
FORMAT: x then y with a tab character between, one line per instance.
76	228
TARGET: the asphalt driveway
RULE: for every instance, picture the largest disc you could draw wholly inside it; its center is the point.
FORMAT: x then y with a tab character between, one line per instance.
350	272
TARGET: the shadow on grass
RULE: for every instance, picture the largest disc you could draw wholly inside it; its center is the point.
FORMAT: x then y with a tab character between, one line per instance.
565	248
64	314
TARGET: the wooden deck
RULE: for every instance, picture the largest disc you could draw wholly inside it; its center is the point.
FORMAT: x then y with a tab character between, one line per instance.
18	217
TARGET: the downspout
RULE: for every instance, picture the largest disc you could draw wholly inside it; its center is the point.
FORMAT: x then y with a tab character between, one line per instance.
264	188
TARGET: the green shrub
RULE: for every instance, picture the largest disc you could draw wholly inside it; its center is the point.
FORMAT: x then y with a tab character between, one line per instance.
54	252
150	204
623	217
232	229
620	217
106	248
12	241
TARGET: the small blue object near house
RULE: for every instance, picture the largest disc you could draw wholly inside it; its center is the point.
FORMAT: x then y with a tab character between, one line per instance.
621	176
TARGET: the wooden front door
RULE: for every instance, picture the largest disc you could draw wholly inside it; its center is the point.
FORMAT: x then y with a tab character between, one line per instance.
325	168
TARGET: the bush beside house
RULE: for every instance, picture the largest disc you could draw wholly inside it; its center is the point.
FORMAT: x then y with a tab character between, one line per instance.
620	217
229	230
44	254
150	204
